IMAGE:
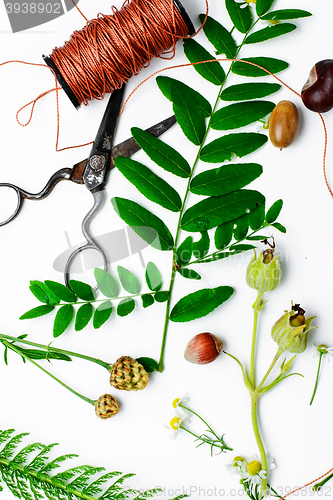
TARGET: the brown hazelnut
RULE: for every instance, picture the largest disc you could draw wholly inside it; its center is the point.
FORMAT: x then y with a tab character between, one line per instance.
203	348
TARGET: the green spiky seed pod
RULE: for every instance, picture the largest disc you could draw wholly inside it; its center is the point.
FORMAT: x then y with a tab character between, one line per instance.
291	330
263	272
128	375
106	406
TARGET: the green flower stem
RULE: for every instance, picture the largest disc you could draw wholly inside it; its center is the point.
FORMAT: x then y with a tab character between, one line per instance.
318	486
263	458
178	230
276	357
256	307
317	377
10	345
13	348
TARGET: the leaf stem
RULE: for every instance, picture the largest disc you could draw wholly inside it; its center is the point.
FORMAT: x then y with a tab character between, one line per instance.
256	306
318	486
51	349
13	348
276	357
317	377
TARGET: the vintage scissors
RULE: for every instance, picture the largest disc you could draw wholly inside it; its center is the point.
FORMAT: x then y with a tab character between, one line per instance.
92	172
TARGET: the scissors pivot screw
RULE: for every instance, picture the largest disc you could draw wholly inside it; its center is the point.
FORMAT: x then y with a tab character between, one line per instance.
97	162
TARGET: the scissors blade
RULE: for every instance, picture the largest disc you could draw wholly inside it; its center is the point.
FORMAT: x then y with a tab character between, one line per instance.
129	147
126	148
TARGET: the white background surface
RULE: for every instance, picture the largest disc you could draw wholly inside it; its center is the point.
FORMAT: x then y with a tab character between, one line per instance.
297	436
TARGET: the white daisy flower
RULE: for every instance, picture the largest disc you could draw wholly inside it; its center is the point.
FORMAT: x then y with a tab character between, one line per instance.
255	474
180	401
323	350
179	421
237	466
245	3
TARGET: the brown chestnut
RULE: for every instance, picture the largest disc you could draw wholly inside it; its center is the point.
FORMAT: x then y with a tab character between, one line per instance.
203	348
317	93
284	124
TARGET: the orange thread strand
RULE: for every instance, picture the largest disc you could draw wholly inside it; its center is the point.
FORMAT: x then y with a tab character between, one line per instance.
75	5
308	484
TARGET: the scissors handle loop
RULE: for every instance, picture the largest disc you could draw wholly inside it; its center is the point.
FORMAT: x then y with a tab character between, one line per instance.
60	175
99	197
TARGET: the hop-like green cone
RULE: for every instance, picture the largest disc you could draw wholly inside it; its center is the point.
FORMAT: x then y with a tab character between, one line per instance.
106	406
263	276
128	375
292	338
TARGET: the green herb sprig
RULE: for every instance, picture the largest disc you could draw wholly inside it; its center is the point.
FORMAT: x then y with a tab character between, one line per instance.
29	474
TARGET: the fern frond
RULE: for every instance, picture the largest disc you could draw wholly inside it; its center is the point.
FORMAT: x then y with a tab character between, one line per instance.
26	473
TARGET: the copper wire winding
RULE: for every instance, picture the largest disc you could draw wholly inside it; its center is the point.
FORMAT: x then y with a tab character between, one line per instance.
110	49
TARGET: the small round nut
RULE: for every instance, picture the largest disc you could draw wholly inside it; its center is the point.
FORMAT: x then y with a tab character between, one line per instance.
284	124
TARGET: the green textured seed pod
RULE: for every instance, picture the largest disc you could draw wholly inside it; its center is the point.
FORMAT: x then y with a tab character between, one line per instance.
128	375
263	277
106	406
291	338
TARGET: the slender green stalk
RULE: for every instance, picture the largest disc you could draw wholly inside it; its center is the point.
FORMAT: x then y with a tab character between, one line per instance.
276	357
318	486
317	377
256	307
13	348
104	364
263	457
187	192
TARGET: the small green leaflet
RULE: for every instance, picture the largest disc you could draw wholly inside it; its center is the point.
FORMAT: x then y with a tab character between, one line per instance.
147	300
217	210
274	211
285	14
147	225
129	282
153	277
102	314
271	64
240	16
262	6
223	235
241	227
189	273
188	114
39	293
225	147
219	36
61	291
63	319
165	84
52	298
82	290
240	114
163	155
212	71
200	303
83	316
270	32
225	179
38	311
201	247
184	252
153	187
106	283
125	307
161	296
149	364
245	91
257	217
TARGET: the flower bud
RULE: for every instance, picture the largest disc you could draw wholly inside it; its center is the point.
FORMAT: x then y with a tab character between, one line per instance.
263	273
292	329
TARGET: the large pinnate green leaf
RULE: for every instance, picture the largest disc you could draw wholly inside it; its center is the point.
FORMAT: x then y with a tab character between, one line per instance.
284	14
165	84
188	114
262	6
147	225
270	32
217	210
240	16
240	114
219	36
248	69
225	179
149	184
245	91
200	303
225	147
162	154
213	71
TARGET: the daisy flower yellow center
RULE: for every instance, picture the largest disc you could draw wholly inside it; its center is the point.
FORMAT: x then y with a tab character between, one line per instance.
254	467
238	459
176	402
175	423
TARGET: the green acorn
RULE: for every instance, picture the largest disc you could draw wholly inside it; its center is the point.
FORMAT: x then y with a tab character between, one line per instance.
106	406
128	375
263	273
292	329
